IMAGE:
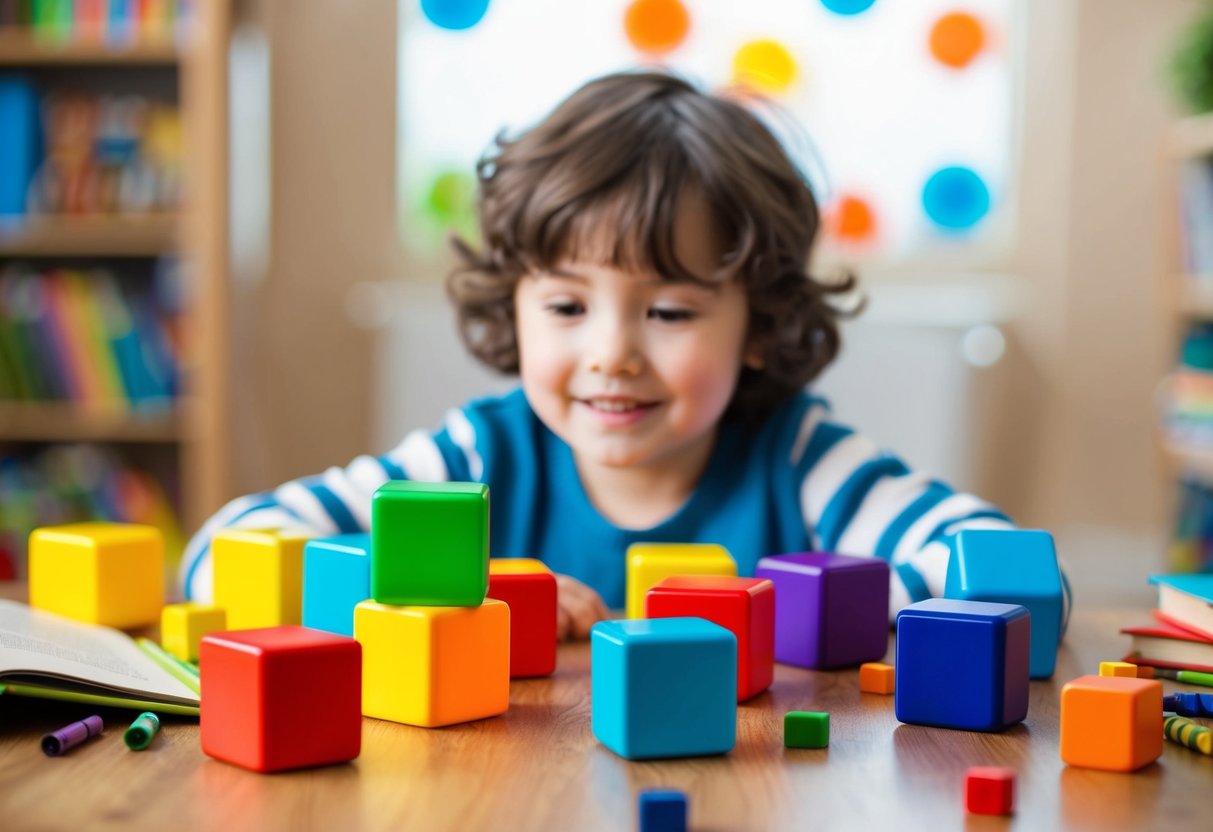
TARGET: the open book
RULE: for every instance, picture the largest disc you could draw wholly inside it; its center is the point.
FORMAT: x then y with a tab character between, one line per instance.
48	656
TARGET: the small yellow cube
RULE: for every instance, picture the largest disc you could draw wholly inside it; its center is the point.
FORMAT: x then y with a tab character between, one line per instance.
182	627
259	576
1118	669
100	573
433	666
651	563
518	566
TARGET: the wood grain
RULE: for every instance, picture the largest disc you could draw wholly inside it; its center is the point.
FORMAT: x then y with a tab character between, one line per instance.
539	767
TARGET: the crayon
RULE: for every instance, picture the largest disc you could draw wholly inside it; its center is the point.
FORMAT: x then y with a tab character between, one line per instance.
1189	733
142	731
1189	704
69	736
1192	677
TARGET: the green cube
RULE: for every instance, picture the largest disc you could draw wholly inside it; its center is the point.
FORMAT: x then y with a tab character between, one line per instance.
806	729
430	544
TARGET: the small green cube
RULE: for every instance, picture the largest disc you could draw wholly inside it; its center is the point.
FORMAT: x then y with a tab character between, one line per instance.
806	729
430	544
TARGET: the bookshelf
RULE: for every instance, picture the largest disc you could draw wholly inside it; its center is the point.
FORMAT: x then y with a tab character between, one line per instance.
187	445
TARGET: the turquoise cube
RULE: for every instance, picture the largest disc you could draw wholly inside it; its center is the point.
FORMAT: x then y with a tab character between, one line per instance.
663	687
336	578
1012	566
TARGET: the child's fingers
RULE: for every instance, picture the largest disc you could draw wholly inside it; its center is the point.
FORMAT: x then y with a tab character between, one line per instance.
562	623
585	615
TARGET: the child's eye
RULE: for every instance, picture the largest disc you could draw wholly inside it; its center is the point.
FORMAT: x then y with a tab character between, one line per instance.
671	315
565	309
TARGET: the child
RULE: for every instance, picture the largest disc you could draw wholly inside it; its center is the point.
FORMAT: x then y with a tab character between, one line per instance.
644	271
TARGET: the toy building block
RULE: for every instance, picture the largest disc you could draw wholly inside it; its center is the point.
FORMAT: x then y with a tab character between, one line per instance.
259	576
989	790
280	698
182	627
663	687
336	578
744	606
1111	723
529	588
875	677
663	810
1012	566
806	729
432	666
962	664
830	610
1124	669
430	543
99	573
648	563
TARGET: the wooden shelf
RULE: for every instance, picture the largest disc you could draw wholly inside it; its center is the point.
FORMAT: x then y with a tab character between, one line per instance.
59	422
1191	137
1194	296
141	235
19	47
1181	459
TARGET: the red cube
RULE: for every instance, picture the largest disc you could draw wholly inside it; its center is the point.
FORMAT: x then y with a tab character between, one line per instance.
281	697
989	790
529	589
746	606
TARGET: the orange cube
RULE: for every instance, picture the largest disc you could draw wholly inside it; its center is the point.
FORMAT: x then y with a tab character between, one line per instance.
1111	722
875	677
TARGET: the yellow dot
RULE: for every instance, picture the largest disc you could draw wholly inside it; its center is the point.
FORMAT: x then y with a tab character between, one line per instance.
765	65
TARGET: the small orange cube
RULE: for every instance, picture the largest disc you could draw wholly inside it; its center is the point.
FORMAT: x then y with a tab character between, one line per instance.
1111	722
875	677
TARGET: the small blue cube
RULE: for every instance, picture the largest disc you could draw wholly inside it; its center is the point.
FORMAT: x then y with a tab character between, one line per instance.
663	687
336	578
663	810
1012	566
962	664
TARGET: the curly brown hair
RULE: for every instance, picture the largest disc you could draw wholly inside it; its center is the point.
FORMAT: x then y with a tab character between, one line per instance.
623	149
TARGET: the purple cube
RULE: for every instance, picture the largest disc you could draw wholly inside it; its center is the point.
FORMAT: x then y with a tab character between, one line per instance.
830	610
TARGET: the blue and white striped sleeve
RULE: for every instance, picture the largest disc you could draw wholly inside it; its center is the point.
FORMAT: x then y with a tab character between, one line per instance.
339	500
858	500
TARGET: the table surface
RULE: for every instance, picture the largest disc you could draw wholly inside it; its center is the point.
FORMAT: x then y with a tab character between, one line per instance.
539	767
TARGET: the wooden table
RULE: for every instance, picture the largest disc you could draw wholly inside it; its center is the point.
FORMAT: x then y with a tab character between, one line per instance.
539	767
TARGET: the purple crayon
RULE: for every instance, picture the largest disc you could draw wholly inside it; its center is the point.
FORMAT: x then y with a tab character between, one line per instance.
830	610
69	736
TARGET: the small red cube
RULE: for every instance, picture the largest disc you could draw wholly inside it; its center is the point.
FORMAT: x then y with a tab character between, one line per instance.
531	597
280	697
989	790
746	606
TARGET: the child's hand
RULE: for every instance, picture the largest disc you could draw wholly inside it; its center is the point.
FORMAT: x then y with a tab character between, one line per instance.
578	608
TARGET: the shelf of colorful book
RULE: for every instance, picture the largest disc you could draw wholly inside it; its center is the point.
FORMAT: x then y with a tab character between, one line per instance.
117	235
60	422
20	47
1194	460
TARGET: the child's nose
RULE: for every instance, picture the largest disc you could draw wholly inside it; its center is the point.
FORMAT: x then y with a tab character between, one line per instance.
616	351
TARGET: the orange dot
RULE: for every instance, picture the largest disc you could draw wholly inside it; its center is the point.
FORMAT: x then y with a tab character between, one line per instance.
656	26
956	39
766	65
852	219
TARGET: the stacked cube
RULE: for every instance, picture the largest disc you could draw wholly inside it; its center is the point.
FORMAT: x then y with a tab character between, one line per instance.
435	651
528	587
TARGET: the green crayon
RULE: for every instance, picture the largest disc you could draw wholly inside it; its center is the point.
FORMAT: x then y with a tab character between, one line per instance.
142	731
1188	732
1192	677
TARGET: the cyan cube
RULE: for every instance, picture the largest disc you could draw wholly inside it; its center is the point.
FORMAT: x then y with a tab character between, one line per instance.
663	687
962	664
830	610
1012	566
336	578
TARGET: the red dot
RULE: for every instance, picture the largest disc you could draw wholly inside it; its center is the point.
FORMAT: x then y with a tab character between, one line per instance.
656	26
852	219
956	39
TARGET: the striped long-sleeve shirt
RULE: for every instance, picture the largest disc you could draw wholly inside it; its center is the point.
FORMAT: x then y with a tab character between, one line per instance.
798	482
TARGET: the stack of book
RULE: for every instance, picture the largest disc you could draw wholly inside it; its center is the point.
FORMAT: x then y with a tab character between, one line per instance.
1181	637
117	22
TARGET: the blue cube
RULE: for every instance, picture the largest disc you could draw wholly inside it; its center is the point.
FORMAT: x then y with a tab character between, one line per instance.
1012	567
663	810
663	687
962	664
336	578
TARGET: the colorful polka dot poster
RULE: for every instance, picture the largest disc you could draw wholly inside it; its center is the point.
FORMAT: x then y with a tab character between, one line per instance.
901	114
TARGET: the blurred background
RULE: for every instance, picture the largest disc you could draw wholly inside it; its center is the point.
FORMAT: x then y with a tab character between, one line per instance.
223	235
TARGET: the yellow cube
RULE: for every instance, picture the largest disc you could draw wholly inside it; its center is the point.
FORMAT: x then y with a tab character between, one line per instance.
182	627
518	566
651	563
1118	669
259	576
433	666
100	573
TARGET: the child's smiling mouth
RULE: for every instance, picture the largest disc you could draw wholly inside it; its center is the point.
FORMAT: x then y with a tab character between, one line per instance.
618	410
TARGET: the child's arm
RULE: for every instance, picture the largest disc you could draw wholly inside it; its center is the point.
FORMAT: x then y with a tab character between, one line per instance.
578	608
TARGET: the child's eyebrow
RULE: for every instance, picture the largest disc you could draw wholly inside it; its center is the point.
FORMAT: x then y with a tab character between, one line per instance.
565	274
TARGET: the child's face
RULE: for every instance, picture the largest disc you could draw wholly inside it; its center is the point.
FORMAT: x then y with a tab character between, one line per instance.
628	369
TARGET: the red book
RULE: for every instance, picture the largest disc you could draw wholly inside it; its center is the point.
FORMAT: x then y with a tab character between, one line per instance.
1166	645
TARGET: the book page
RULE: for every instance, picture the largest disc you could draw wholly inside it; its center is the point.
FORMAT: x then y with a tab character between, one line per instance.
34	643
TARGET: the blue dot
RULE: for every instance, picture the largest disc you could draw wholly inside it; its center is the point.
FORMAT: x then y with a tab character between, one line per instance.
955	198
848	7
454	14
